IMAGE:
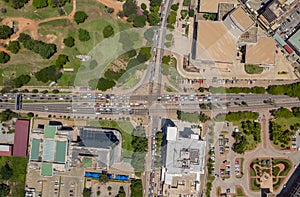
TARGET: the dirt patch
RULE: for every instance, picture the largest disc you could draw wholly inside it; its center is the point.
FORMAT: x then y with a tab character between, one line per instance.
50	38
112	4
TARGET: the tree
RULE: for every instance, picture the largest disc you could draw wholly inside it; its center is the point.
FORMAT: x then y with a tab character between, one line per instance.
40	3
61	61
4	190
191	13
129	7
153	18
24	37
49	73
139	21
55	91
143	6
121	192
30	114
16	4
87	192
144	54
4	57
104	178
83	35
21	80
175	7
136	188
7	115
5	32
105	84
108	31
110	10
6	172
35	91
154	3
80	17
69	41
13	46
166	59
43	49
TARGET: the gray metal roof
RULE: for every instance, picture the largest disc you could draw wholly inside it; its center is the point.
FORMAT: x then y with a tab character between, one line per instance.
97	138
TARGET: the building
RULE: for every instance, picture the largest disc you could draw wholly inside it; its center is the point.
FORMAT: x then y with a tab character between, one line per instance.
294	42
21	138
183	162
98	148
215	42
50	148
6	150
262	52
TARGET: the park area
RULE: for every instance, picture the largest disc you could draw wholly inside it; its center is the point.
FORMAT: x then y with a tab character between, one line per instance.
13	173
284	125
268	172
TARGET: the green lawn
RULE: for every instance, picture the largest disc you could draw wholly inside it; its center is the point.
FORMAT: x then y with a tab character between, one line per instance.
253	69
286	123
239	191
276	185
275	171
125	128
18	165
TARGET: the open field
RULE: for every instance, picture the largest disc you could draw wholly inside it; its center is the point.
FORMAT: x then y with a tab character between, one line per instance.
27	62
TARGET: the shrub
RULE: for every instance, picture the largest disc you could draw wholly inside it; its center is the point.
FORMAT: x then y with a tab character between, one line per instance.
143	6
108	31
175	7
13	46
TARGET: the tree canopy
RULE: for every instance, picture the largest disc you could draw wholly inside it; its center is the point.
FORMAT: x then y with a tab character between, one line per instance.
136	188
105	84
49	73
4	190
69	41
129	7
83	35
40	3
139	21
4	57
80	17
87	192
153	18
5	32
13	46
61	60
21	80
43	49
17	4
6	172
108	31
144	54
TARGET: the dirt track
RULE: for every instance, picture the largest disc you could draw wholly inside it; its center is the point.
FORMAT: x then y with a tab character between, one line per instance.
112	4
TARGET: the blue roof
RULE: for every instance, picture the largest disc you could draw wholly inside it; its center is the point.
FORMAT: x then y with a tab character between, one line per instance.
279	40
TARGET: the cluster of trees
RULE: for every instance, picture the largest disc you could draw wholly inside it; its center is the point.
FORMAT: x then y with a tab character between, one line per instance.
87	192
61	61
237	90
139	143
21	80
7	115
6	172
210	16
16	4
44	3
279	135
192	117
292	90
83	35
121	192
40	3
4	57
50	73
249	128
108	31
5	32
172	17
43	49
80	17
13	46
136	188
237	116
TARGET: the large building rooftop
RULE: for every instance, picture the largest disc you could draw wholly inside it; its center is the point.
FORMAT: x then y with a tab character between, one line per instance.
295	41
241	18
263	52
215	42
21	138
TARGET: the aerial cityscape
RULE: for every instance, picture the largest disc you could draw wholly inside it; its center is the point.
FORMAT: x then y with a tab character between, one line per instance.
156	98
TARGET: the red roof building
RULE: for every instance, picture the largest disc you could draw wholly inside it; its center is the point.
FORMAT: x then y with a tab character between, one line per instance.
288	49
21	138
6	150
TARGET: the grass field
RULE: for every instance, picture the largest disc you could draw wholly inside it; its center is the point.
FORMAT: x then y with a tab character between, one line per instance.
18	165
125	128
254	184
253	69
286	123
